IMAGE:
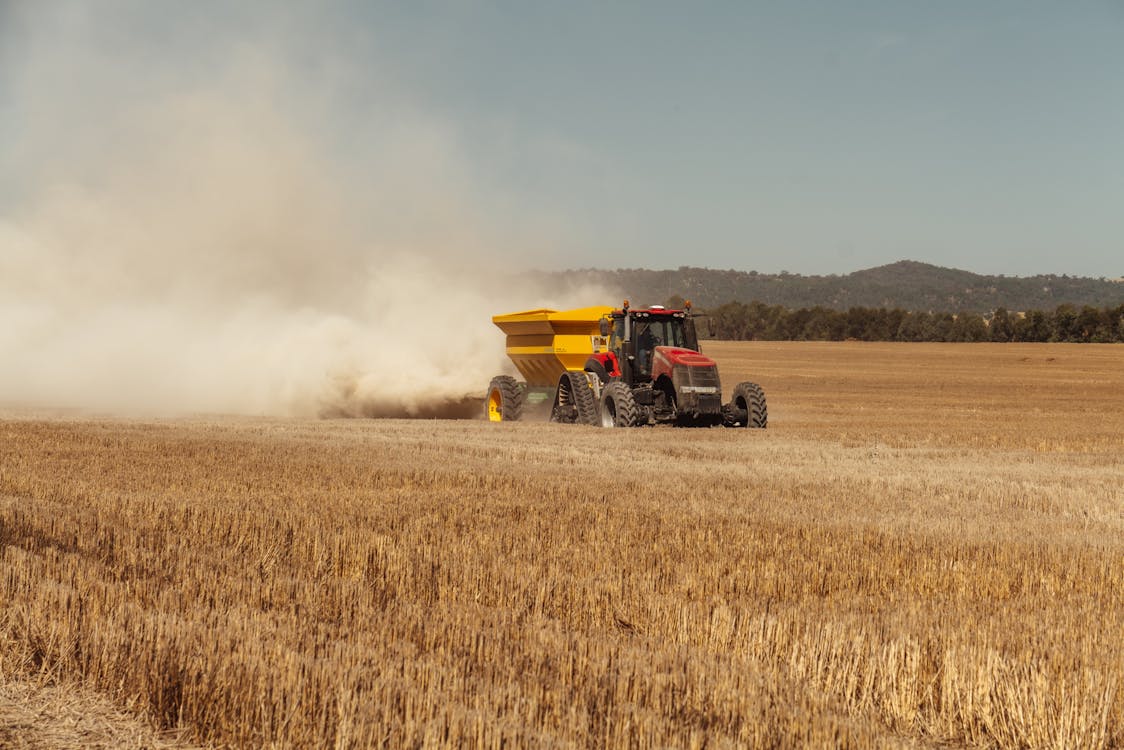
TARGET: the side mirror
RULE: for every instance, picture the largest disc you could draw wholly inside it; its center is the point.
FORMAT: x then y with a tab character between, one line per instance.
604	326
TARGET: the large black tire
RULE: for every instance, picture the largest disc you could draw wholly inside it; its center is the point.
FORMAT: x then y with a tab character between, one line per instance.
504	402
573	401
618	407
747	407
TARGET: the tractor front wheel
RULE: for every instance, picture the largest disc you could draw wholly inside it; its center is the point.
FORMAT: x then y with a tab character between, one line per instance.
747	407
618	407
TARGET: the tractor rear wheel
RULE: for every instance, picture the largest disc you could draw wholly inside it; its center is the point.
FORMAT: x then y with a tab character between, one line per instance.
618	407
574	402
747	407
505	400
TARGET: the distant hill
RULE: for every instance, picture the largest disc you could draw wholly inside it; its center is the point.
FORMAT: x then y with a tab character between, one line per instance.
907	284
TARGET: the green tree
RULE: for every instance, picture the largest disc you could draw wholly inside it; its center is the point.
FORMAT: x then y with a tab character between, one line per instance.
1116	324
1001	327
1092	325
969	327
944	325
757	320
730	321
675	302
891	322
1033	326
912	327
1065	324
795	322
857	322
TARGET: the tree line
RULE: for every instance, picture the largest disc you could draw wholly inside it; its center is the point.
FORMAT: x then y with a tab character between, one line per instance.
757	321
906	284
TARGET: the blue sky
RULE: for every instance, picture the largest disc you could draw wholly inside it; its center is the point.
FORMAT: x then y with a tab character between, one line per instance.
813	137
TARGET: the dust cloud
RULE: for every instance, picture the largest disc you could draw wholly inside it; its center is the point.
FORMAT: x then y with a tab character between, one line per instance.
192	224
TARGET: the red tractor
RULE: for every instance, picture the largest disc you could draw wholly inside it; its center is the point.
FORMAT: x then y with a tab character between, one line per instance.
616	368
653	372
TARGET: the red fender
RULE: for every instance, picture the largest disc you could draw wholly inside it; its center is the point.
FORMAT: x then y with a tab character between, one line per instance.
665	358
608	360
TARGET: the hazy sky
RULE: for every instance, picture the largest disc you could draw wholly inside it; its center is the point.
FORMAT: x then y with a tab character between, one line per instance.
815	137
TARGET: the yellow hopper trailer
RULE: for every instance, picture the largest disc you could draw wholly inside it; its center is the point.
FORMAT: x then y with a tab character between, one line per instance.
621	367
550	349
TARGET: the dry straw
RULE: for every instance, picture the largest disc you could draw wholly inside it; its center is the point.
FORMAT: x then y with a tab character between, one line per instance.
926	547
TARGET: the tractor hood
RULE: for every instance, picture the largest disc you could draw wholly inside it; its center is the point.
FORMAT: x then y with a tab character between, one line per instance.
675	356
667	359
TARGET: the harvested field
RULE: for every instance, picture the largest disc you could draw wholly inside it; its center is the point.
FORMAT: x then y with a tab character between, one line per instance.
925	548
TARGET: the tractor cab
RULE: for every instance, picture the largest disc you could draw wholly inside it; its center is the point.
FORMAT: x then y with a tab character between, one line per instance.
634	336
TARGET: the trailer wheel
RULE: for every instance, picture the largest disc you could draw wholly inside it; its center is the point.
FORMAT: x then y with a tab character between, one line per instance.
618	407
747	407
573	401
505	400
